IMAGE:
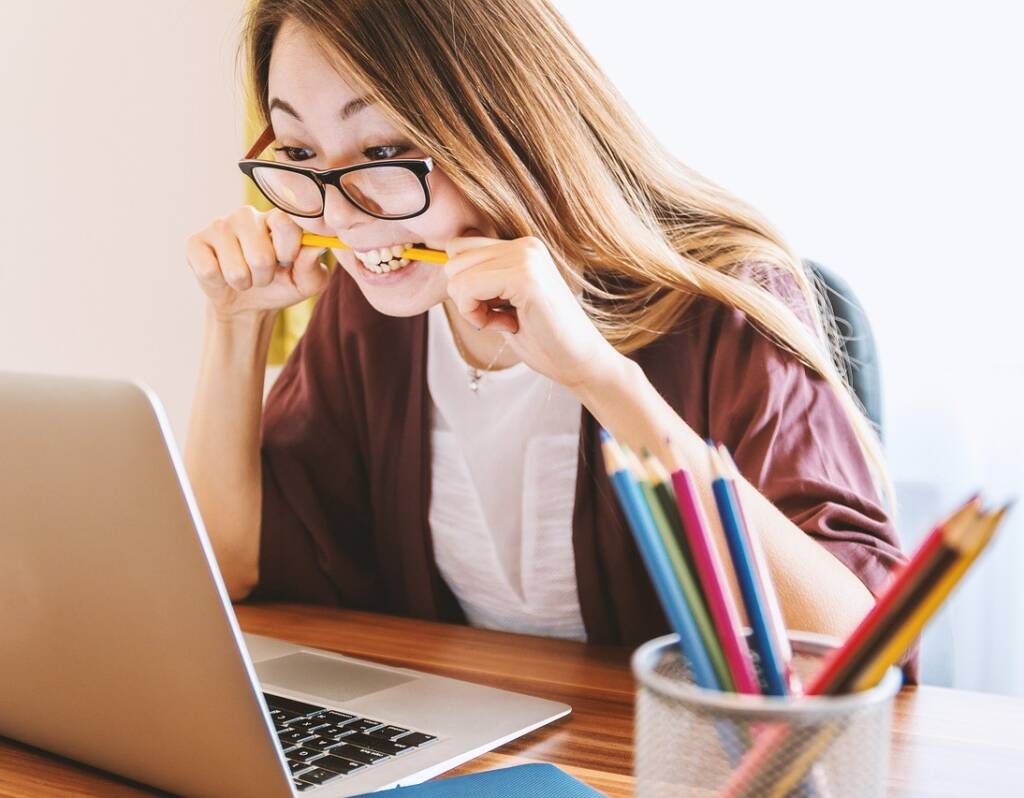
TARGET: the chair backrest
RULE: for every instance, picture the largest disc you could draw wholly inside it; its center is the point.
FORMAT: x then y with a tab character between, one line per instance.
857	339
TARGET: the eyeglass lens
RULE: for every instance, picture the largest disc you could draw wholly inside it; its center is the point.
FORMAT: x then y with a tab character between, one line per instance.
382	190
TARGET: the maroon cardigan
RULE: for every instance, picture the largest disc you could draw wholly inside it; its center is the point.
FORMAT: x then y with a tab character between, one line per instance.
346	464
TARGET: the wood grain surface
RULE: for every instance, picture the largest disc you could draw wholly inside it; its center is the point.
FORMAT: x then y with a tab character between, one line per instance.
945	742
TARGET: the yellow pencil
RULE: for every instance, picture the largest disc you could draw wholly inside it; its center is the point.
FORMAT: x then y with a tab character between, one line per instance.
902	639
413	253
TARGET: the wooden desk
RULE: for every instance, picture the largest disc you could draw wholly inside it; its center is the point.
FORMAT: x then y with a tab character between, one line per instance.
946	742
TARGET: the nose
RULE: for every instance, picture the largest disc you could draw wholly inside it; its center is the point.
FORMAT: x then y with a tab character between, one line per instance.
339	213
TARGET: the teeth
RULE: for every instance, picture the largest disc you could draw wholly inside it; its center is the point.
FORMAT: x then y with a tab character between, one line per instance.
384	260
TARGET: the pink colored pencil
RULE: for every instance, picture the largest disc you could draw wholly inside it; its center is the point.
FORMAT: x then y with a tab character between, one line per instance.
712	578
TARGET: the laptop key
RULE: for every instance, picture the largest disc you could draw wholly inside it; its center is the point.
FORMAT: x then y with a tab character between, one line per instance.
297	767
283	714
332	730
337	764
320	743
298	707
293	737
389	732
416	739
318	775
306	724
338	718
357	754
376	744
302	785
363	724
302	754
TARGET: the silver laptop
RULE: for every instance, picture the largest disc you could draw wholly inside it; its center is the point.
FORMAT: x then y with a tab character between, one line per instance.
119	646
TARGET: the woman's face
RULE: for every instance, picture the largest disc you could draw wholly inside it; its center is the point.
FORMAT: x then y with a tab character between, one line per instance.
302	81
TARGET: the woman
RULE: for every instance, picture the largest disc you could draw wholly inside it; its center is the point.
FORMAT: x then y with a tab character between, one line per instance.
430	447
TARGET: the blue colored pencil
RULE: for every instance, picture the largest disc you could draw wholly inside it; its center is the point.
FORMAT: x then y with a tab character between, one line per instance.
772	665
648	541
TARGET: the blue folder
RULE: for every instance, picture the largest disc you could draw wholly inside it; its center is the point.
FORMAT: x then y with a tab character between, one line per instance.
518	781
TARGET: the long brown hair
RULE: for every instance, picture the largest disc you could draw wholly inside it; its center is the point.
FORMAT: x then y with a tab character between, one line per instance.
522	120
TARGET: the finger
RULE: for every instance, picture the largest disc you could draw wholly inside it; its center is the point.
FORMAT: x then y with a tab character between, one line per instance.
473	292
485	316
257	247
308	273
286	236
502	320
470	238
229	255
203	261
473	258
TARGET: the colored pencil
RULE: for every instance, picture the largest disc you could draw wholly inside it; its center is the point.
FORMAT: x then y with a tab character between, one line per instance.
772	763
776	623
914	625
661	482
683	571
844	662
757	612
648	541
412	253
712	575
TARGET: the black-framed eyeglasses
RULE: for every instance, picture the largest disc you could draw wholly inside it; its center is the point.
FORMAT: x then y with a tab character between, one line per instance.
394	189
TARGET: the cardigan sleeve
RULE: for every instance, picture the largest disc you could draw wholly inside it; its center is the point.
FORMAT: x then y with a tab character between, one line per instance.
791	438
316	542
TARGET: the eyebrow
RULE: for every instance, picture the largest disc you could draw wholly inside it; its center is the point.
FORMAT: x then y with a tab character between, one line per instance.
351	107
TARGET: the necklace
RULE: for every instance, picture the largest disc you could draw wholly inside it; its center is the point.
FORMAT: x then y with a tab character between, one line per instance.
475	374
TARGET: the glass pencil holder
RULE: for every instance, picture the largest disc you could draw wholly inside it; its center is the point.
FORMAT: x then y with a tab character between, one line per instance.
690	741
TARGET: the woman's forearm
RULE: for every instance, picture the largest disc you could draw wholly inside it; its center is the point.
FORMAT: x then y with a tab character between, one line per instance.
222	453
817	592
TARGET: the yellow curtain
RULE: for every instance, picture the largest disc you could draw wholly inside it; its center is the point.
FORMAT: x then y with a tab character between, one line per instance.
291	322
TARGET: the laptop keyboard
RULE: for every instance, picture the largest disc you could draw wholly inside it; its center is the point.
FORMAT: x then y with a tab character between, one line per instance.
322	744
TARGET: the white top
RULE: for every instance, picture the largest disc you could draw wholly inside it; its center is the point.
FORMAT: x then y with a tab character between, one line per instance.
502	492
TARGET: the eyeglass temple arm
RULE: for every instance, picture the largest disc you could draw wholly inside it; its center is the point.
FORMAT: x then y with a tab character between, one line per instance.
261	143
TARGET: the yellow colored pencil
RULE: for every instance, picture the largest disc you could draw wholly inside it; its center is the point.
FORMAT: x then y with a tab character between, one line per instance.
902	639
413	253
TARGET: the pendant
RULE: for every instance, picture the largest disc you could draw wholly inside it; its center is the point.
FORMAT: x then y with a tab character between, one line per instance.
474	380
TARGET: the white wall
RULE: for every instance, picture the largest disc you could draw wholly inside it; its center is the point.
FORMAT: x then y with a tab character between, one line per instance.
119	136
882	138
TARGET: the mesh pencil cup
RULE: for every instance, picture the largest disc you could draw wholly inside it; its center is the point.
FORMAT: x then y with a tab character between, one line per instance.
696	742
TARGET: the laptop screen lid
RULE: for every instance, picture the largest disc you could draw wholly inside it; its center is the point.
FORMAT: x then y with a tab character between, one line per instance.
118	645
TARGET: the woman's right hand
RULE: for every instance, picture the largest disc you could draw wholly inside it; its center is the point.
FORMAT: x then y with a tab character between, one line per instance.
252	261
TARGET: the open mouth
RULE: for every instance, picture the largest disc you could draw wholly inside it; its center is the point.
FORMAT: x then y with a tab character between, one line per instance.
386	259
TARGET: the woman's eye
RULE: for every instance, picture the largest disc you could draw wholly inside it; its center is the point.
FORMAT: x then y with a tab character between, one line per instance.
385	151
295	153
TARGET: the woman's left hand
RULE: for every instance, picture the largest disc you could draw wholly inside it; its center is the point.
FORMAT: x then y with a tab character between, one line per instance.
547	327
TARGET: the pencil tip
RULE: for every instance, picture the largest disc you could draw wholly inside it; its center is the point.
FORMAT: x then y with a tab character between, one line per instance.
716	464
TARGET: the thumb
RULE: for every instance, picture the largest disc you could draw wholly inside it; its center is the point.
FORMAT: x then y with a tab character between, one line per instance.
308	273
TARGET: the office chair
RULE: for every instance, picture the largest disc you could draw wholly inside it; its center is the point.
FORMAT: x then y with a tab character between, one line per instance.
857	339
